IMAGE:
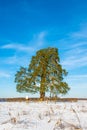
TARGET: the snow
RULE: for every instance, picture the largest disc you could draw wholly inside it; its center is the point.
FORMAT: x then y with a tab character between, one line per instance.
43	115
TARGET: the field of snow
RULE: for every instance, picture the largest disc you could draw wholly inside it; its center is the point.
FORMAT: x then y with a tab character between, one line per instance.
43	115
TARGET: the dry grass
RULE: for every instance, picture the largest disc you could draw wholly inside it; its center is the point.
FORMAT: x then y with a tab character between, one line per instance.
52	113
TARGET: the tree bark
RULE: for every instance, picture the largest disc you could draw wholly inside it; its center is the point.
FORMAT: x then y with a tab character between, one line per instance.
42	87
42	95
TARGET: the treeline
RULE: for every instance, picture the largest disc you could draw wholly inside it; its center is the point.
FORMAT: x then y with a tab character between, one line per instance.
21	99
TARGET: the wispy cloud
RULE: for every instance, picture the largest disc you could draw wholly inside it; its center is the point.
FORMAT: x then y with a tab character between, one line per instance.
23	52
75	58
11	60
38	40
75	53
4	74
17	60
78	44
81	33
17	46
77	77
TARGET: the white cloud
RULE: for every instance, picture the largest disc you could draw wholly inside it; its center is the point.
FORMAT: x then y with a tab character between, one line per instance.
78	44
75	57
41	37
38	40
11	60
17	60
78	77
18	46
75	61
81	33
75	49
4	74
20	57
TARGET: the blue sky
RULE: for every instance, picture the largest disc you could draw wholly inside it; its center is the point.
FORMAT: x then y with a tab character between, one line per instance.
29	25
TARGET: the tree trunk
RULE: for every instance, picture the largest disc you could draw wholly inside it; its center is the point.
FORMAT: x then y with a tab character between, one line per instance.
42	95
42	87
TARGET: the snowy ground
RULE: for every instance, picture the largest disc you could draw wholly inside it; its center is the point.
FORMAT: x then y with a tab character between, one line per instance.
43	115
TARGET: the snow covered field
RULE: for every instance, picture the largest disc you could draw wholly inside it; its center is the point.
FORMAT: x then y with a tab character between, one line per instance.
43	115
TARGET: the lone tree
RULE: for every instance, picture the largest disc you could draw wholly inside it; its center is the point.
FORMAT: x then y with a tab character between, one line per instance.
44	74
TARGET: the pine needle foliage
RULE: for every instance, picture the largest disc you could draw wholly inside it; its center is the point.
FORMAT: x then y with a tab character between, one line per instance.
44	74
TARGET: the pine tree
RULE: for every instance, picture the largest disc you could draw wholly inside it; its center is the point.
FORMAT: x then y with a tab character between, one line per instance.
44	74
